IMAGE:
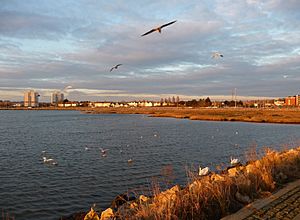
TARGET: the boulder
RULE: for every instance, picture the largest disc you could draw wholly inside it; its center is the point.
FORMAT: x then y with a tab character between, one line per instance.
232	172
143	198
242	198
167	196
120	200
91	215
108	214
217	177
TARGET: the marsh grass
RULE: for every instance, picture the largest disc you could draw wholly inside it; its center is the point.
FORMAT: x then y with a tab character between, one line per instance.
219	194
6	216
285	115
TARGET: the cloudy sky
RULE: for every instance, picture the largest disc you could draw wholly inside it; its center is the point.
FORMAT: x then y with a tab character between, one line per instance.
72	44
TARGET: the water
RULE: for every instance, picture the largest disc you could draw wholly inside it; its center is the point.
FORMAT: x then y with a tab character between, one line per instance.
30	189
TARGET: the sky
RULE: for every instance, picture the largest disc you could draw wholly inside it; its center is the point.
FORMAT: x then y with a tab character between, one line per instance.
70	46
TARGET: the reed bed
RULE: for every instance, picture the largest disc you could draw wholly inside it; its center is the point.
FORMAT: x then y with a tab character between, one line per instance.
286	115
217	194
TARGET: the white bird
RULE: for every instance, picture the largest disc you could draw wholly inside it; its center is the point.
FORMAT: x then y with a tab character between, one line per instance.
204	171
234	161
49	161
86	148
103	151
216	55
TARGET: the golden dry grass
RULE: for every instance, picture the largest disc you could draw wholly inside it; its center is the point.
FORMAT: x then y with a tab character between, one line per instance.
285	115
217	195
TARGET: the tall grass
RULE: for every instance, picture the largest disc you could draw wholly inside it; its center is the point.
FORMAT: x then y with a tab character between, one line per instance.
6	216
217	195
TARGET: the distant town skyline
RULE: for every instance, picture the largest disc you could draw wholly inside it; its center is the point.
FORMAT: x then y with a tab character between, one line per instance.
70	46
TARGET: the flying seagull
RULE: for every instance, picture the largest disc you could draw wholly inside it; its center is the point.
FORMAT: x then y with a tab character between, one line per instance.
115	67
216	55
158	28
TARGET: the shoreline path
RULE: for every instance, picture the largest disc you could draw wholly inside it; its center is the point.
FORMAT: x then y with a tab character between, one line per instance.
283	205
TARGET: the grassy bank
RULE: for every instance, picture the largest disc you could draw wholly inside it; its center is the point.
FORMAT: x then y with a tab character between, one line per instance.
217	194
291	116
285	115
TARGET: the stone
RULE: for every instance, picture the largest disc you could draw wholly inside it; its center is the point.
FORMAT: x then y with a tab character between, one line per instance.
133	205
167	196
242	198
143	198
91	215
120	200
217	177
232	172
107	214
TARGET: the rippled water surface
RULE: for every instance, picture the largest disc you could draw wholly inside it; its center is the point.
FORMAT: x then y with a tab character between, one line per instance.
30	189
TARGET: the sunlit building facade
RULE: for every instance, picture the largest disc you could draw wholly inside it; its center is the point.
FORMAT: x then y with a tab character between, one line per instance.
31	99
57	97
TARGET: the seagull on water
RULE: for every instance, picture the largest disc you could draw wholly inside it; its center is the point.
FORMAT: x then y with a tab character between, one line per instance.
103	151
49	161
216	55
204	171
115	67
158	28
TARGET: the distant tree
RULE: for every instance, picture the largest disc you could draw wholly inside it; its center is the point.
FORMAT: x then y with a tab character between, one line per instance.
182	103
173	99
192	103
208	102
201	103
177	99
240	103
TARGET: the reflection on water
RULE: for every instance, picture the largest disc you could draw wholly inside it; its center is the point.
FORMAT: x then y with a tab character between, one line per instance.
138	149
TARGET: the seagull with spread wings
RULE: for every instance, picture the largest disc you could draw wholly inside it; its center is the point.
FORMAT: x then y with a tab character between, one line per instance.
158	28
216	55
115	67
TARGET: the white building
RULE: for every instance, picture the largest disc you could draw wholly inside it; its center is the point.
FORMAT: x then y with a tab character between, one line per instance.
31	99
57	97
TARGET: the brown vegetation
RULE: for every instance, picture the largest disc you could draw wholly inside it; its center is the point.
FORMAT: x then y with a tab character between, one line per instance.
217	195
219	114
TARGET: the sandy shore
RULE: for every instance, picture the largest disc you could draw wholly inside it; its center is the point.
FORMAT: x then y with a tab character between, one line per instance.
289	116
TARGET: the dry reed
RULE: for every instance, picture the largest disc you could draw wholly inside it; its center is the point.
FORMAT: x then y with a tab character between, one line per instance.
217	195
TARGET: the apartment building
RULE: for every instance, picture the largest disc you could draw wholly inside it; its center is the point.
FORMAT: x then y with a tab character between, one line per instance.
57	97
31	99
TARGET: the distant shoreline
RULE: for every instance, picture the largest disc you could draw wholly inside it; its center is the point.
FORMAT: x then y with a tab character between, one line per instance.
281	116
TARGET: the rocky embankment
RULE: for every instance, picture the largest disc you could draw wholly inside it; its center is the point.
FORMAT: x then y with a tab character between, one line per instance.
208	197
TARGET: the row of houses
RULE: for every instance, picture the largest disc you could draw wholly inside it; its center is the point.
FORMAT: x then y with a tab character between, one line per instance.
116	104
31	99
292	100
